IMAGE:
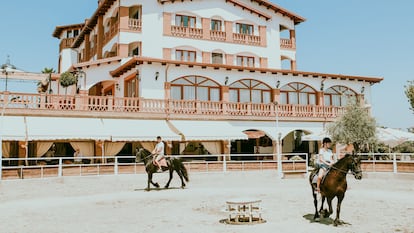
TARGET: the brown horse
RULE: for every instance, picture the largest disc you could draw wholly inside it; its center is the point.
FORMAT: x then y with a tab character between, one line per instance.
173	164
334	185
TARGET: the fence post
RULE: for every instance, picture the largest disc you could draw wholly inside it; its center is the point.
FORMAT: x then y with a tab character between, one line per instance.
116	166
60	168
394	162
224	163
306	163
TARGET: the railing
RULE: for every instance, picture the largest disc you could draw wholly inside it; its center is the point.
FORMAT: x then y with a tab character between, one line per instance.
180	31
110	165
113	30
287	44
246	39
114	165
135	24
66	43
217	35
79	104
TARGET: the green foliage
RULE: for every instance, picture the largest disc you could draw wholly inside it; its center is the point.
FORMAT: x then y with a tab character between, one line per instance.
355	127
67	79
48	70
409	92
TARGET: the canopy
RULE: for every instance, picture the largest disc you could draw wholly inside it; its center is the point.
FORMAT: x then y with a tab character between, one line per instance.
139	130
207	130
393	137
269	127
65	128
12	128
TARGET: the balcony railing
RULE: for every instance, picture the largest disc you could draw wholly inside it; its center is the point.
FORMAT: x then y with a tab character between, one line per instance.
113	30
135	24
287	44
66	43
81	105
246	39
180	31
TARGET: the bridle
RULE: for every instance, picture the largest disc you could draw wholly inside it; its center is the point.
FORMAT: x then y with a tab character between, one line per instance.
353	171
143	159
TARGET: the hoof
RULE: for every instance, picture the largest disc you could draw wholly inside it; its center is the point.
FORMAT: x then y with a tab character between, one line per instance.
317	219
147	189
166	187
157	185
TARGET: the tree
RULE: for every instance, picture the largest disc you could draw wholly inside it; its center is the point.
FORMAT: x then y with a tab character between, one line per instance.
409	92
44	85
67	79
355	127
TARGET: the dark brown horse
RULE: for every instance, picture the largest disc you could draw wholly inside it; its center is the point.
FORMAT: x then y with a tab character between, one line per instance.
334	185
174	164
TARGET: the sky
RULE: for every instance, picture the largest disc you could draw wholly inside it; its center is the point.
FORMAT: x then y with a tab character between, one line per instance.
353	37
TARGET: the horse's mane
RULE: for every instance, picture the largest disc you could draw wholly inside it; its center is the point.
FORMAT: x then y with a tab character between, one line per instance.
341	160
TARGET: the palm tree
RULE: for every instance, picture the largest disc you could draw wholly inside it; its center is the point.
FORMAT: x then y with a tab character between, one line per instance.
44	85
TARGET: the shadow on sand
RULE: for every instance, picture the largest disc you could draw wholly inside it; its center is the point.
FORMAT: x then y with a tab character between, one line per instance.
325	221
158	189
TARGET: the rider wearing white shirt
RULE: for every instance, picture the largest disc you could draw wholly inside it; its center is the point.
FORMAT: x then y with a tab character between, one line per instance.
326	160
158	152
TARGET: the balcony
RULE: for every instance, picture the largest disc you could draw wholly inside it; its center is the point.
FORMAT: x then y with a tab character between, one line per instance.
66	43
113	30
129	107
287	44
179	31
135	24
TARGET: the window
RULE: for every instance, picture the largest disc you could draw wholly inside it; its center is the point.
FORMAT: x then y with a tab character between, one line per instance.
217	58
131	87
185	21
75	32
338	96
250	91
215	25
135	52
245	61
297	93
195	88
185	55
242	28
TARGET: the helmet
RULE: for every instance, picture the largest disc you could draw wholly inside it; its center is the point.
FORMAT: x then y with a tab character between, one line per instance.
326	140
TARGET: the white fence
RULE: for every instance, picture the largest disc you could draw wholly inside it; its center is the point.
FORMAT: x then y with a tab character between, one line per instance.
294	163
110	165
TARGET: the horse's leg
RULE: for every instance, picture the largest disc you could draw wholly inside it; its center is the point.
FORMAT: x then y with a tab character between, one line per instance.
171	176
181	177
149	181
327	214
315	203
338	209
323	202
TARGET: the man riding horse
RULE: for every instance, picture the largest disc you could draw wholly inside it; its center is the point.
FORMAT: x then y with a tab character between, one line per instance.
158	153
326	160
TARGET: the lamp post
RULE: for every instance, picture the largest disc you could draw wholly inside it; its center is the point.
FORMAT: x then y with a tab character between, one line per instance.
278	137
5	72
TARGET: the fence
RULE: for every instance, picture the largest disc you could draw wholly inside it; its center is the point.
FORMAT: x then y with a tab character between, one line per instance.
110	165
293	163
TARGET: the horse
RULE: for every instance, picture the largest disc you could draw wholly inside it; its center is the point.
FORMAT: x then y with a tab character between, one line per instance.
334	184
173	164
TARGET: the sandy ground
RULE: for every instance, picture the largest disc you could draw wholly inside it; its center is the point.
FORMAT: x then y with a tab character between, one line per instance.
377	203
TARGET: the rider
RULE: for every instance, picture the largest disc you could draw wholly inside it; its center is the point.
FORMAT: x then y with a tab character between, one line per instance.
326	160
158	152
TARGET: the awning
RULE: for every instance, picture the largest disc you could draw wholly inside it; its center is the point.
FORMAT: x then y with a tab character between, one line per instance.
13	128
270	128
139	130
65	128
207	130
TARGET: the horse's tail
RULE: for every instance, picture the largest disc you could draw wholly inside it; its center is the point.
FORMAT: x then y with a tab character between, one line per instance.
180	166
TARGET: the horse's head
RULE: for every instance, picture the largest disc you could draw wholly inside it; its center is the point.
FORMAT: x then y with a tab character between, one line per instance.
356	166
141	154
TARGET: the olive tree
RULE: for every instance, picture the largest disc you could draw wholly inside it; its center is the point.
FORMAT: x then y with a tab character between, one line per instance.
67	79
355	126
409	92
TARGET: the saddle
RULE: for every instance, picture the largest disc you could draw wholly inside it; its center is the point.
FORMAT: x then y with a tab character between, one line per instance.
163	163
315	175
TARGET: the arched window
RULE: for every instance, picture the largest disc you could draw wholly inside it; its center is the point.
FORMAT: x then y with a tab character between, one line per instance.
338	96
297	93
250	90
195	88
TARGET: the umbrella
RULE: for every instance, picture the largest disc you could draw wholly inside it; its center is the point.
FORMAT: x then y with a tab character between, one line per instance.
393	137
